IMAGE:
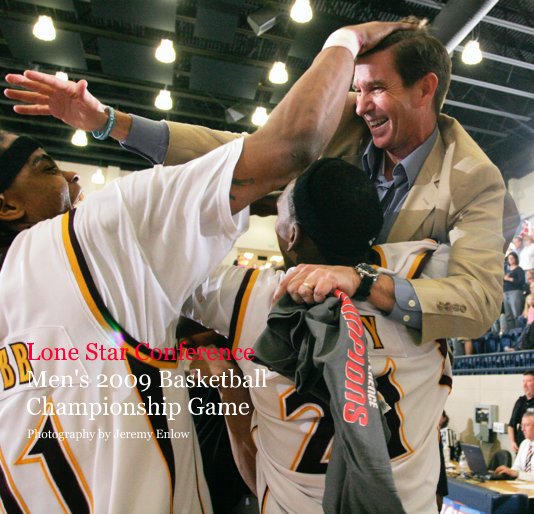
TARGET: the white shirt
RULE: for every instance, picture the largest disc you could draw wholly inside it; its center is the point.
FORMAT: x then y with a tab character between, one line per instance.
148	240
520	462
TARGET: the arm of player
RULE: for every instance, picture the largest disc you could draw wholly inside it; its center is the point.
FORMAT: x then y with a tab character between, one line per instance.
68	101
71	102
301	125
239	425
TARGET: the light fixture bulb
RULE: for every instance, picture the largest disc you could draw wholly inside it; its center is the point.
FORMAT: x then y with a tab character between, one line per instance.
260	116
164	100
79	138
278	73
44	29
98	177
248	255
472	53
301	12
61	75
165	51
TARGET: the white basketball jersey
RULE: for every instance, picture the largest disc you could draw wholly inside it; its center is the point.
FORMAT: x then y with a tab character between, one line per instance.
293	432
92	429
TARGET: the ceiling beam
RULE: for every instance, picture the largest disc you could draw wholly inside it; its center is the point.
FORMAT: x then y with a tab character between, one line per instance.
501	58
499	22
470	128
492	86
487	110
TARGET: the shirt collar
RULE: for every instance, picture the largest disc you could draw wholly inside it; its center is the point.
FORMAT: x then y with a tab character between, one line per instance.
411	164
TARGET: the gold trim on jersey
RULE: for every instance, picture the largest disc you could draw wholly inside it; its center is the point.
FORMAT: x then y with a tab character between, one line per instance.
92	299
416	268
73	461
158	446
383	261
264	500
23	458
295	415
443	376
12	486
243	305
369	322
391	365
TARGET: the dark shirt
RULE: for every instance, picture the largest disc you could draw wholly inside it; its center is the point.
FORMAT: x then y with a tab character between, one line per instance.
520	407
518	276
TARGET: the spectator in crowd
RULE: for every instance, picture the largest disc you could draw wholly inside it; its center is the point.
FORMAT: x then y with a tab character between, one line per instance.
523	466
522	405
463	346
529	279
514	280
526	259
526	339
515	246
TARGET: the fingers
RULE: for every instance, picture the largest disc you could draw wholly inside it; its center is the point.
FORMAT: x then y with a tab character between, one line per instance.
307	284
50	80
25	82
34	110
26	96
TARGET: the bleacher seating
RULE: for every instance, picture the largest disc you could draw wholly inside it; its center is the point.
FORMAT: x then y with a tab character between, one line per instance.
494	363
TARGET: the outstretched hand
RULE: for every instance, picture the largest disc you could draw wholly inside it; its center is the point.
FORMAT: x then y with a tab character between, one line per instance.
47	95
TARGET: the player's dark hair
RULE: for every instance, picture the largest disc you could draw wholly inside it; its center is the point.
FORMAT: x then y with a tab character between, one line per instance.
417	53
337	206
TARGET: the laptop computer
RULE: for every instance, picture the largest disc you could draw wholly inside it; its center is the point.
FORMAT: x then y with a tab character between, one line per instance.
477	464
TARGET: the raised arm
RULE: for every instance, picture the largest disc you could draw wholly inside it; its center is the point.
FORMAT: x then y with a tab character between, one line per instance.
300	126
297	130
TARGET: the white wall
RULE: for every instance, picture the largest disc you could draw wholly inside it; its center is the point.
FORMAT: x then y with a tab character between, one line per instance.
522	191
500	390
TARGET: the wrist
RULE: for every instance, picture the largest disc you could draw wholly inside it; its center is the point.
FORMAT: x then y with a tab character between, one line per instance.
122	127
102	119
383	294
346	38
368	276
104	133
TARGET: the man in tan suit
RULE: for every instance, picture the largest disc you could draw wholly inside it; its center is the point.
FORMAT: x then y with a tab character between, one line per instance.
454	195
442	185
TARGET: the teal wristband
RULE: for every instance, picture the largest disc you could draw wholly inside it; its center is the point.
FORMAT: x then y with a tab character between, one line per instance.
104	134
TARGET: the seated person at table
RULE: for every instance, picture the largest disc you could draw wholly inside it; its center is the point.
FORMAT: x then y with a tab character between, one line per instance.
523	467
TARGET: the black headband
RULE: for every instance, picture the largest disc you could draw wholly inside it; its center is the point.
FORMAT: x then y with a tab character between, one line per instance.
14	158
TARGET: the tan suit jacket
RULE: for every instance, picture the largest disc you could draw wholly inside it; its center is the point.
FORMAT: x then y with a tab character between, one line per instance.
457	197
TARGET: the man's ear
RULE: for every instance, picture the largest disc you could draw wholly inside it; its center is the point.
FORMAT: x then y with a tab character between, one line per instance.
295	236
428	85
10	209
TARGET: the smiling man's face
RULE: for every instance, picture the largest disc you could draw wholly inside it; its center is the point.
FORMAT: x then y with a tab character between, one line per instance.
390	109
